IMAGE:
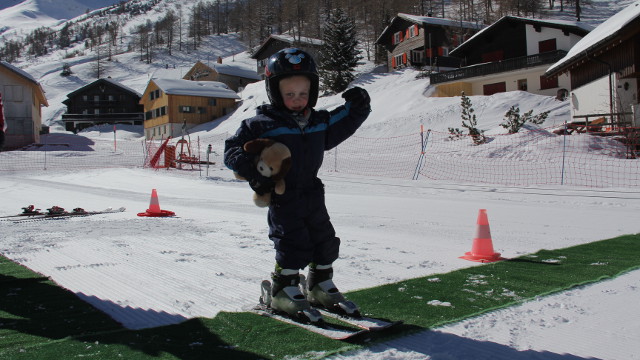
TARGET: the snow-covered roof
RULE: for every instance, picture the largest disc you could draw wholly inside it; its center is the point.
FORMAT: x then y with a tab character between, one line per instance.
287	39
440	21
110	81
556	22
115	83
18	71
605	31
39	94
563	24
302	39
195	88
429	20
236	71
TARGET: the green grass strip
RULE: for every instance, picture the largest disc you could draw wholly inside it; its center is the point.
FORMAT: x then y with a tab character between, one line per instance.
41	320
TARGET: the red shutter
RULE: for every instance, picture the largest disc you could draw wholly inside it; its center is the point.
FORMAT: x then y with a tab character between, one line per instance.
490	89
547	45
548	83
407	34
393	62
401	36
493	56
404	58
428	53
415	30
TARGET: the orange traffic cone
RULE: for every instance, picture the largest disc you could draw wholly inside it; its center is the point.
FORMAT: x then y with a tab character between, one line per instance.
154	207
482	249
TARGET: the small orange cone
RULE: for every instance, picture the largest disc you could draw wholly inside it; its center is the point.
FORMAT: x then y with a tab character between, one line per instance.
482	249
154	207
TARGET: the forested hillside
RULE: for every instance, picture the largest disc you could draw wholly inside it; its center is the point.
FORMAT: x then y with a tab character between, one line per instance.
169	25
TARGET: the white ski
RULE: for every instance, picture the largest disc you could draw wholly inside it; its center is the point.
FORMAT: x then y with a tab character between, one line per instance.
363	322
324	330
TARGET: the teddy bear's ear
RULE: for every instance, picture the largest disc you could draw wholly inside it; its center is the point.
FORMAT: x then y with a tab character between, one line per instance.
256	146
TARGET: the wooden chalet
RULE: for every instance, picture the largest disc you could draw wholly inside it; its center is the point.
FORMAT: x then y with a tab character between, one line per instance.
235	77
22	98
275	43
423	41
104	101
172	106
511	54
605	72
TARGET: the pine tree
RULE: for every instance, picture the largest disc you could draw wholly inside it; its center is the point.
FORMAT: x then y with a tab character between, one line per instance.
514	121
339	55
64	37
470	122
66	69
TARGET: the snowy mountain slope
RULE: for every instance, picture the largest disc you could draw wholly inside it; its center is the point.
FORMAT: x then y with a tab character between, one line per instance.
593	13
22	17
8	3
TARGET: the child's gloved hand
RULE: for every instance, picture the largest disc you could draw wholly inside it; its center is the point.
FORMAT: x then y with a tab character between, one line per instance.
262	185
357	96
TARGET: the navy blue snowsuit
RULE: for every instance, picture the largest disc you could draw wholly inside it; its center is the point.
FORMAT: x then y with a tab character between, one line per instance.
299	224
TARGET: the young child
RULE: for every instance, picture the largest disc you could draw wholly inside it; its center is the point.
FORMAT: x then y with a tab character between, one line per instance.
298	221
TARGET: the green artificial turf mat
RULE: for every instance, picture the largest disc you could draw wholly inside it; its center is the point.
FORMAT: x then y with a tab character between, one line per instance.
43	321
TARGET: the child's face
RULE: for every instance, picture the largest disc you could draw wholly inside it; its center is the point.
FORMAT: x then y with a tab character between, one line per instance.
295	92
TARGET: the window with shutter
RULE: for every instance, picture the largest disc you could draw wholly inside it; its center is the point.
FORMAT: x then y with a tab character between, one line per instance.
490	89
417	56
548	83
398	60
397	38
546	46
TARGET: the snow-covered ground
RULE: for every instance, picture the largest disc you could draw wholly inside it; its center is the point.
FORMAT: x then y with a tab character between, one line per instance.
147	272
19	18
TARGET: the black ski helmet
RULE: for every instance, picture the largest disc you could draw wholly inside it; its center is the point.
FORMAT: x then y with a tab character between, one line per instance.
289	62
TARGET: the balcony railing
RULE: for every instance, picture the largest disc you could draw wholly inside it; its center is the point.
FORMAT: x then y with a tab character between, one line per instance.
498	66
103	118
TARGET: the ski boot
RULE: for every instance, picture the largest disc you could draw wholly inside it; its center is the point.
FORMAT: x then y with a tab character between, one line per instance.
284	296
30	210
55	210
321	291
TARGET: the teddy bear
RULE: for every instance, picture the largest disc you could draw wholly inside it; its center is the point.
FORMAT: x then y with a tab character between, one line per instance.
273	160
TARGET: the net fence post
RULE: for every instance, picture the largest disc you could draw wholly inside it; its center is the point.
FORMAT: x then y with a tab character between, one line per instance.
423	145
564	153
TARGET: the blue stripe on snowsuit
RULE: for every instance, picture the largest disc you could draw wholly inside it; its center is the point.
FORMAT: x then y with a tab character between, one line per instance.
311	129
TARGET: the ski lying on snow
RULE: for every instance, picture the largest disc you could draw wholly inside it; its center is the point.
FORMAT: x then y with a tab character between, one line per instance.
325	330
362	322
67	214
21	215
